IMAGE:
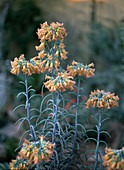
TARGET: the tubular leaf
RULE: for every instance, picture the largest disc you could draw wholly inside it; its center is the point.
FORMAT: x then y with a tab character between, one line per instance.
21	105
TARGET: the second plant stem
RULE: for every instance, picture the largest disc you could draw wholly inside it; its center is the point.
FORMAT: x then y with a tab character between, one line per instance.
76	116
55	110
98	137
28	110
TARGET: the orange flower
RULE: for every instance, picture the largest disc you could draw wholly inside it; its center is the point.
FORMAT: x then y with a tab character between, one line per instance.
114	159
61	82
102	99
33	153
81	70
27	67
41	46
19	164
52	32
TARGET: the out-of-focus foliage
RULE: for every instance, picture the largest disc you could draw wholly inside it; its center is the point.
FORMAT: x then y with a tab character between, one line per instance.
4	166
21	24
106	44
11	144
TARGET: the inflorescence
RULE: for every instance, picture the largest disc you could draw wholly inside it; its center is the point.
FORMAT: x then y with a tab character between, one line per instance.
33	153
55	33
61	82
102	99
27	67
81	70
114	159
46	59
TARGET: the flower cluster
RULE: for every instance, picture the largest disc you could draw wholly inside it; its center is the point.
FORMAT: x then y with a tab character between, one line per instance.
114	159
33	153
47	63
46	59
27	67
61	82
81	70
52	32
19	164
102	99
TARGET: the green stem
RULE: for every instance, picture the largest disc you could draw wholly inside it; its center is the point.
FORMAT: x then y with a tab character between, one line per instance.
27	107
76	116
98	136
55	110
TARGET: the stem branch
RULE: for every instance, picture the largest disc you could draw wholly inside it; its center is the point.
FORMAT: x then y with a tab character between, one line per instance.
27	107
98	136
76	117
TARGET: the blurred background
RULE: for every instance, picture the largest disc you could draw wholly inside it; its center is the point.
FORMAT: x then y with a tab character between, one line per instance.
95	34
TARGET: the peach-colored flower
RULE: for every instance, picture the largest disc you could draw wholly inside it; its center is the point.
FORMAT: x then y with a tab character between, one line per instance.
114	159
61	82
52	32
19	164
81	70
27	67
102	99
33	153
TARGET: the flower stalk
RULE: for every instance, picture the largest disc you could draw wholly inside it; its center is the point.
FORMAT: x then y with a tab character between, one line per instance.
76	116
98	137
27	108
55	112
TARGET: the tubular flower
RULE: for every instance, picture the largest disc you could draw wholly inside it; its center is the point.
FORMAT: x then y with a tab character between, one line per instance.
114	159
52	32
81	70
61	82
27	67
102	99
33	153
49	63
19	164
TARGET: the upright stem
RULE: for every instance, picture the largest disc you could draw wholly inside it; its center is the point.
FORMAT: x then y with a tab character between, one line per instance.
27	107
76	116
55	110
98	136
55	118
28	113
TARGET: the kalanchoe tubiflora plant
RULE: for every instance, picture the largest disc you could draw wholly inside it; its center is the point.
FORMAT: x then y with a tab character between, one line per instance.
79	72
54	142
101	99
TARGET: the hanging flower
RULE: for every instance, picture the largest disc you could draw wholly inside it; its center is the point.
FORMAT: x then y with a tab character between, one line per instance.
49	63
114	159
33	153
102	99
61	82
81	70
